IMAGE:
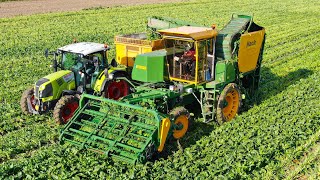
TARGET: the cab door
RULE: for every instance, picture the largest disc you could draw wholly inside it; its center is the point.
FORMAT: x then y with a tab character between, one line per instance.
201	61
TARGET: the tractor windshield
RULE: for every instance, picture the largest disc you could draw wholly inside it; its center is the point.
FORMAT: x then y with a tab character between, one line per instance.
69	60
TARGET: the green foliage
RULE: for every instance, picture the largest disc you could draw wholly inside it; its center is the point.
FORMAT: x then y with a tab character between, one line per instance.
260	143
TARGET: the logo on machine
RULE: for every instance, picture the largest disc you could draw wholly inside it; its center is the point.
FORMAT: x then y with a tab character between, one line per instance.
141	67
251	43
68	77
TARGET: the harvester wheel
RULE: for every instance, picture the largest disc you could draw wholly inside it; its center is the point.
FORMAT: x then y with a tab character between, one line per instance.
27	95
65	108
229	103
116	89
180	116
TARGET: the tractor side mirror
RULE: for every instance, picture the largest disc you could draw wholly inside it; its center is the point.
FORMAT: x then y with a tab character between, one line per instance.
55	62
46	53
55	65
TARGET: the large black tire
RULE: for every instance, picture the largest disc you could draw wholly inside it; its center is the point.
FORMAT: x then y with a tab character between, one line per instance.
180	115
27	94
232	97
65	108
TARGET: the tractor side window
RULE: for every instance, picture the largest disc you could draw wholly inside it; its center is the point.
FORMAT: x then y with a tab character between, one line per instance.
94	57
69	60
97	60
94	62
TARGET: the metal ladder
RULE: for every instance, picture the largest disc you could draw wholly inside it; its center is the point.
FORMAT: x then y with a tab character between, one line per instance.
207	99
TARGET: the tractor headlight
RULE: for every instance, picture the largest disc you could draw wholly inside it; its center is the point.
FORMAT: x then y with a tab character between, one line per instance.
42	87
110	76
39	86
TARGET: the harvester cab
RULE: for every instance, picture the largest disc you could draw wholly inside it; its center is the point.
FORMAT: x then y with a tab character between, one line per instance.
77	69
189	48
198	65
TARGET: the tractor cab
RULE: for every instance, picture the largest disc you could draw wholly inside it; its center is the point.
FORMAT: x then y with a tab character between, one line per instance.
190	53
85	59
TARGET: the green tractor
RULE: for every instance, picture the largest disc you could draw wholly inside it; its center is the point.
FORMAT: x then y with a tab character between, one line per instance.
198	65
78	68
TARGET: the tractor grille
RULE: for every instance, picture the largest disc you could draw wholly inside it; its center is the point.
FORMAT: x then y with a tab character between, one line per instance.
60	81
38	84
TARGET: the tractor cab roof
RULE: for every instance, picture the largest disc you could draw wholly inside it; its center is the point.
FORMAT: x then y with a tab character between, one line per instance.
84	48
193	32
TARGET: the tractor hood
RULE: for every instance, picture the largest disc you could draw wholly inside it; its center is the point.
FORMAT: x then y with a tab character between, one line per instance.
66	75
51	86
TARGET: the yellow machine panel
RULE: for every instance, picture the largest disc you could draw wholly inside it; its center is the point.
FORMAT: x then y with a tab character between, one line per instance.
250	45
129	46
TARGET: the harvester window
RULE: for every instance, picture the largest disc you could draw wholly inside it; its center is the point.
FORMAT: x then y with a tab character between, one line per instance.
201	67
210	64
210	46
181	58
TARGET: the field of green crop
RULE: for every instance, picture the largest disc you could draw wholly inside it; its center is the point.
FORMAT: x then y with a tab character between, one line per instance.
277	138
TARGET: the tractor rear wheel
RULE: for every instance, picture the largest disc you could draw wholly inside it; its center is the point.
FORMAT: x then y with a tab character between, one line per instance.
181	117
229	103
116	89
65	108
27	95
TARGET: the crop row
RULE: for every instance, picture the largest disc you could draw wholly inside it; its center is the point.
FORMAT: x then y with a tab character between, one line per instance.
26	139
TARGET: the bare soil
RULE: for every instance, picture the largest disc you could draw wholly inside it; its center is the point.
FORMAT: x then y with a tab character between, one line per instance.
16	8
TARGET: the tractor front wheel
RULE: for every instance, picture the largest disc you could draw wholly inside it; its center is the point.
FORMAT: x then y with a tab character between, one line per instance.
26	96
229	103
65	109
181	118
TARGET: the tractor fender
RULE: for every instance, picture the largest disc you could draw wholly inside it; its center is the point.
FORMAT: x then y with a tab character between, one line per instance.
68	92
105	81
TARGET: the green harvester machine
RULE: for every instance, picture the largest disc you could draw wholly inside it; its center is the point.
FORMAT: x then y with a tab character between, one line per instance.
198	65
